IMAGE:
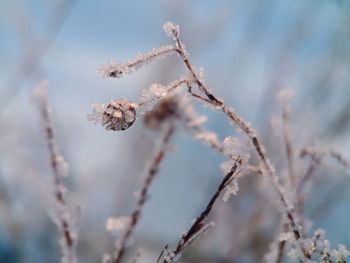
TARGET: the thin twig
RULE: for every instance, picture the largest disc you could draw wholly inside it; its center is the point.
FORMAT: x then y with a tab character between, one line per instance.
65	225
250	132
288	146
143	196
198	224
291	171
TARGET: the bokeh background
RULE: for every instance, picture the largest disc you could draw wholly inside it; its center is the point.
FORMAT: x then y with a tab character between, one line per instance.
249	51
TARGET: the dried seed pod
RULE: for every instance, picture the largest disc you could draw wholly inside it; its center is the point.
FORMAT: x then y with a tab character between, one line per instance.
166	109
119	115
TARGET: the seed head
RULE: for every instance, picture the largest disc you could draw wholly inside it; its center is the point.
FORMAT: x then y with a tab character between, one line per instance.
166	109
119	115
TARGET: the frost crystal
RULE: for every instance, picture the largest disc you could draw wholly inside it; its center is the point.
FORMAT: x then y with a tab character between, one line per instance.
232	145
171	30
340	254
117	223
151	96
117	70
209	138
225	167
231	189
39	93
197	121
62	165
97	113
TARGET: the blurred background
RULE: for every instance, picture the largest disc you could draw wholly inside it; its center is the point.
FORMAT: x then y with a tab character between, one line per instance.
249	51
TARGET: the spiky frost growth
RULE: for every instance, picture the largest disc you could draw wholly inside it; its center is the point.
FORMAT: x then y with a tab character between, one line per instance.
317	249
117	223
233	147
171	30
340	254
62	214
97	113
152	95
231	189
118	70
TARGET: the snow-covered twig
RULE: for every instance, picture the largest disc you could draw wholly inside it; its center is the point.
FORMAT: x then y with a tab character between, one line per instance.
63	218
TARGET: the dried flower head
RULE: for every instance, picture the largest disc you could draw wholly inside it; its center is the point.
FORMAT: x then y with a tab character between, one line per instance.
166	109
118	115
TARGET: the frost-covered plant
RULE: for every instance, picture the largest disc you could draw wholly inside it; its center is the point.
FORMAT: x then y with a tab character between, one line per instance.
126	225
62	213
237	151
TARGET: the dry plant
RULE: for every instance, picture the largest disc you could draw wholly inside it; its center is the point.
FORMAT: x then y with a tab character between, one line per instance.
62	214
158	102
167	109
120	114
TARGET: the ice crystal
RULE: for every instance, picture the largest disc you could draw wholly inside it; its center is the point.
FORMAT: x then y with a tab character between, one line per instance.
226	166
233	146
117	70
171	30
197	121
151	96
62	165
340	254
117	223
209	138
231	189
97	112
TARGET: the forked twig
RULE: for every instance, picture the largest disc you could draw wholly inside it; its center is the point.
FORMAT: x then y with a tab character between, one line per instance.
143	196
198	225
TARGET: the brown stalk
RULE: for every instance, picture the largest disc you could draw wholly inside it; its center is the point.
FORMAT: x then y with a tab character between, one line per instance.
288	146
198	224
150	175
133	64
291	174
59	195
250	132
